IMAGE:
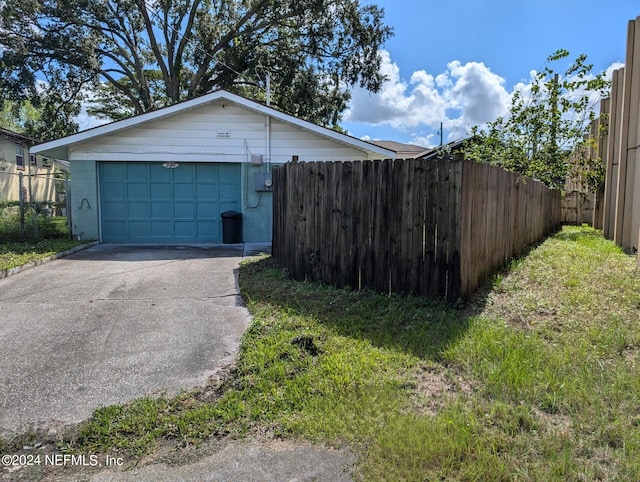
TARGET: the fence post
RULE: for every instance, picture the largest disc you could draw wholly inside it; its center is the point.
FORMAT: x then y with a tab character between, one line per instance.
32	207
21	198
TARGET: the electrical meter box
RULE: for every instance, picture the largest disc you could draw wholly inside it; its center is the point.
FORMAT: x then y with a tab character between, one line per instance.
263	181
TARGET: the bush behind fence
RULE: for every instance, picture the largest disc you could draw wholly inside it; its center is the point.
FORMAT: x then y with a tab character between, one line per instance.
433	228
28	202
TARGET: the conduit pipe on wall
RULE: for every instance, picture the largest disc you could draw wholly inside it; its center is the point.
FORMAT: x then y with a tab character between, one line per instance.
268	122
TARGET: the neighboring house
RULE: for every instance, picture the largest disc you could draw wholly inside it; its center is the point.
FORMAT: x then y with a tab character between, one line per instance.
16	158
412	151
166	176
403	151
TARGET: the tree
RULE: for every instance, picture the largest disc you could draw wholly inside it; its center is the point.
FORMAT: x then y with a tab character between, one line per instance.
140	55
544	127
49	120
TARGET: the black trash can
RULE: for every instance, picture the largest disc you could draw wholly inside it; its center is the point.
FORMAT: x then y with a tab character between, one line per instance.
231	227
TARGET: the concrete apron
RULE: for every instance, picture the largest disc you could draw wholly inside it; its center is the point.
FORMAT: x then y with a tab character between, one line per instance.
113	323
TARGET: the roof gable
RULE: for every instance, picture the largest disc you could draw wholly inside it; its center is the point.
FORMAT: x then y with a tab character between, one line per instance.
139	120
15	136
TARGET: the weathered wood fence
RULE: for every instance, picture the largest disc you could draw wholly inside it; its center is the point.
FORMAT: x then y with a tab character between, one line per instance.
580	204
433	228
622	155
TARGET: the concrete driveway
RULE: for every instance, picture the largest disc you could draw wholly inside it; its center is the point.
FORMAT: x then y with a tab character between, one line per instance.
112	323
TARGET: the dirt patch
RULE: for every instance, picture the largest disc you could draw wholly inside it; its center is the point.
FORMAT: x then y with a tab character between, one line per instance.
433	388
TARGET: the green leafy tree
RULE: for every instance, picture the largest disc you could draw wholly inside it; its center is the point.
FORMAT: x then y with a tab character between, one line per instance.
50	119
542	129
140	55
15	115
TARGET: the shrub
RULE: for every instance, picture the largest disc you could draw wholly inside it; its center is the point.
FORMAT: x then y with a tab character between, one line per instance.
37	225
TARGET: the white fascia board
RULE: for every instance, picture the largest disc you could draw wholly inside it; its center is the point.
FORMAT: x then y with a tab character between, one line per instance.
64	142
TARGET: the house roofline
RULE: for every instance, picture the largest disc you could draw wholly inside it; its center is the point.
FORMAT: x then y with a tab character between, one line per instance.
16	136
184	106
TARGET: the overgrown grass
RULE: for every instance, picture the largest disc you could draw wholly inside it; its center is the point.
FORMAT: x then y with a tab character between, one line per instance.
18	248
537	379
36	225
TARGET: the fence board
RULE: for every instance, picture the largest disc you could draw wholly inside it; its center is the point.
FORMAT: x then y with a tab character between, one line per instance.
453	252
416	273
433	228
613	153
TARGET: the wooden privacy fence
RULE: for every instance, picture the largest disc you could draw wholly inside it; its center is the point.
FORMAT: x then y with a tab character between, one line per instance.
426	227
622	155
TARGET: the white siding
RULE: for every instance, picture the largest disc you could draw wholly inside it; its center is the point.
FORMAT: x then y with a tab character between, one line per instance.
192	136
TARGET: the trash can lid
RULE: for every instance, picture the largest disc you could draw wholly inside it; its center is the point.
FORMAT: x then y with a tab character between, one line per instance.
231	214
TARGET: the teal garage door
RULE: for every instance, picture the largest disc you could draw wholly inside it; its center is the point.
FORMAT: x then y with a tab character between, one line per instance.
145	202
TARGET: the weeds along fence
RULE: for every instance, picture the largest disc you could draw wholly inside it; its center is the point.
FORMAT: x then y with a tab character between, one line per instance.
432	228
29	196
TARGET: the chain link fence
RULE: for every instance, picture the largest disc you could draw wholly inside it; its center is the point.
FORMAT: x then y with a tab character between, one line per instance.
31	202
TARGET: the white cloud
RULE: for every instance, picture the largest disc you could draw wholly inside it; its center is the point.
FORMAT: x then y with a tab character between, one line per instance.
608	74
478	93
399	104
462	96
424	140
86	121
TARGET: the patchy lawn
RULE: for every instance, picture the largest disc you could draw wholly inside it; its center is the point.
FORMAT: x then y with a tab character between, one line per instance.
17	254
538	378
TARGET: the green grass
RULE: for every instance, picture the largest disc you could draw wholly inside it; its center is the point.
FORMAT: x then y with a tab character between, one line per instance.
19	253
538	378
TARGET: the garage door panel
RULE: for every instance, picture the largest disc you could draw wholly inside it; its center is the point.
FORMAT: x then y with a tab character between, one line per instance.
162	229
138	210
113	191
207	192
145	202
137	170
159	173
185	172
207	173
137	191
139	230
183	192
117	229
112	210
113	172
210	229
161	210
208	210
185	229
184	211
160	192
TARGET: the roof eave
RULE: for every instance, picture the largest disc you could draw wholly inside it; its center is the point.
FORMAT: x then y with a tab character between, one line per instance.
65	142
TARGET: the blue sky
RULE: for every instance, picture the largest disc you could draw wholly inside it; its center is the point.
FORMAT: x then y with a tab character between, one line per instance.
458	61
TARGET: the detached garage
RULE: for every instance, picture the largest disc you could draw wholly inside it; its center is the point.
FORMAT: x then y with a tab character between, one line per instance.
166	177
